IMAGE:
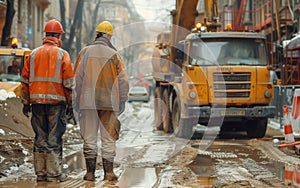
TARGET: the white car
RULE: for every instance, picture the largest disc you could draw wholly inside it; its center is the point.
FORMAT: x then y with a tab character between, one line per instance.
138	93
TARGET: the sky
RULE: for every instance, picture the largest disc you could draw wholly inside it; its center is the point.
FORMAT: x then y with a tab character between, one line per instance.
155	10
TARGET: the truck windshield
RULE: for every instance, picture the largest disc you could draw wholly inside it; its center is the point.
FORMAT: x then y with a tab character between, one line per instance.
10	68
228	51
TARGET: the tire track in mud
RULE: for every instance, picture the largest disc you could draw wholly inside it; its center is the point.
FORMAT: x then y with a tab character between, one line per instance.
237	165
273	152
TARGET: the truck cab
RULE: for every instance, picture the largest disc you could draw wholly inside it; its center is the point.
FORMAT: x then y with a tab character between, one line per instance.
11	64
230	70
224	79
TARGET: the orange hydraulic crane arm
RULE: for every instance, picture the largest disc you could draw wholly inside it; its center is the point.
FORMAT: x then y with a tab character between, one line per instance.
185	13
211	9
183	21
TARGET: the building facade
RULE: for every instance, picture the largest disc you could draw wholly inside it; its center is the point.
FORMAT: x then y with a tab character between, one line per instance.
28	21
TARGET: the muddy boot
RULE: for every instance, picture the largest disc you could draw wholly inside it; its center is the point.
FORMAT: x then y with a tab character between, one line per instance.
108	168
60	178
90	164
40	166
54	168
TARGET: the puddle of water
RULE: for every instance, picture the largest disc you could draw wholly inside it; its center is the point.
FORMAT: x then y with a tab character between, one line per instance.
131	177
74	161
204	164
138	177
206	182
27	184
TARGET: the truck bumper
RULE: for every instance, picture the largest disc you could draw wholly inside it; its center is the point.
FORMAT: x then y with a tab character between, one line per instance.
207	112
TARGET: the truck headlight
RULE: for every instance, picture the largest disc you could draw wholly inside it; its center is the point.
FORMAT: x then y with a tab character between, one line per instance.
268	94
192	94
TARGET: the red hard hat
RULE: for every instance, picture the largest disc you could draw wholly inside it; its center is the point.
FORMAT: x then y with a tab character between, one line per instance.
53	26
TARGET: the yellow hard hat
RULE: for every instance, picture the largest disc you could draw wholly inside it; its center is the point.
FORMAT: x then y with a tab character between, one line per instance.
105	27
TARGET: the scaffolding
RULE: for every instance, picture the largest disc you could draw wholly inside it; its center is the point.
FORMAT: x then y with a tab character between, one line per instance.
274	18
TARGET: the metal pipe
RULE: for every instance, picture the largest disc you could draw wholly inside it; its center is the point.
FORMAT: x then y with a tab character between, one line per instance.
248	20
290	9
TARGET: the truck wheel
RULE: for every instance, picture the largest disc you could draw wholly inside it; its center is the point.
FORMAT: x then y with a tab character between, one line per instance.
183	128
158	109
256	128
166	112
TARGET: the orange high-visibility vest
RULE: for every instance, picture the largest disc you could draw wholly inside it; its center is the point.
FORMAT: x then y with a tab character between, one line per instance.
48	72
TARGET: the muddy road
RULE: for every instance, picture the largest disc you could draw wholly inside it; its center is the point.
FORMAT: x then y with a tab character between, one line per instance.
150	158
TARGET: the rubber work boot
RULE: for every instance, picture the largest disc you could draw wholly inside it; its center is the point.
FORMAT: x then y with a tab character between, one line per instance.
54	167
108	168
90	164
60	178
40	166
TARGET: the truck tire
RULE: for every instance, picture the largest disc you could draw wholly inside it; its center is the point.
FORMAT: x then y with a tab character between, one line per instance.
256	128
158	109
166	112
183	128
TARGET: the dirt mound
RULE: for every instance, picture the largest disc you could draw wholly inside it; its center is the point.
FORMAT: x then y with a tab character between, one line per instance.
11	117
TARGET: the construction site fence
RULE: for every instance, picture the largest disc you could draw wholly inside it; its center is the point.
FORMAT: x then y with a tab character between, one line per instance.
283	95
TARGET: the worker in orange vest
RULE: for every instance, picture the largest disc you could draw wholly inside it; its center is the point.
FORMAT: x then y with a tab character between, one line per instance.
101	92
47	85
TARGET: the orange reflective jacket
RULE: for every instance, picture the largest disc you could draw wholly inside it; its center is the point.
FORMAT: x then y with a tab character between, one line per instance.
101	78
47	74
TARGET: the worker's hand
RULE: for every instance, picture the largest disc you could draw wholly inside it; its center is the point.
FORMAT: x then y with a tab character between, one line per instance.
70	116
121	107
26	109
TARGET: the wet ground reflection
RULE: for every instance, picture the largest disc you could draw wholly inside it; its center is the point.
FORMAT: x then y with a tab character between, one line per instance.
210	164
138	177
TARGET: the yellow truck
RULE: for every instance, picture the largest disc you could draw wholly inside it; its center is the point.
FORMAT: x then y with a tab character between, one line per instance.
210	77
11	64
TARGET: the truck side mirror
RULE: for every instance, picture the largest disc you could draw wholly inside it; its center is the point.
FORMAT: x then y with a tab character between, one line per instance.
180	51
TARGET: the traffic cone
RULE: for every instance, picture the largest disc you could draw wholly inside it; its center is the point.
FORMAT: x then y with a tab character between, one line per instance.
296	112
288	174
296	177
288	130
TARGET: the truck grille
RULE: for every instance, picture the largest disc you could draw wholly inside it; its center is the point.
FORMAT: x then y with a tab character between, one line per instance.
234	85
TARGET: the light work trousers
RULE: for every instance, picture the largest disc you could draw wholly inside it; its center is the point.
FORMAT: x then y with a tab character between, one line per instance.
90	122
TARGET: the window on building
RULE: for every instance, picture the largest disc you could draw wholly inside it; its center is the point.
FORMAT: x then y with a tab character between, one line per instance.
110	13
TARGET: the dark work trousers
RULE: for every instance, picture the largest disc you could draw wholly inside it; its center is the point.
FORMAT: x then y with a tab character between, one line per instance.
49	125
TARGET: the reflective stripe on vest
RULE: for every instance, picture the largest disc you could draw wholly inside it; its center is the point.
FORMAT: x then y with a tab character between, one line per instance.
56	78
48	96
23	80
